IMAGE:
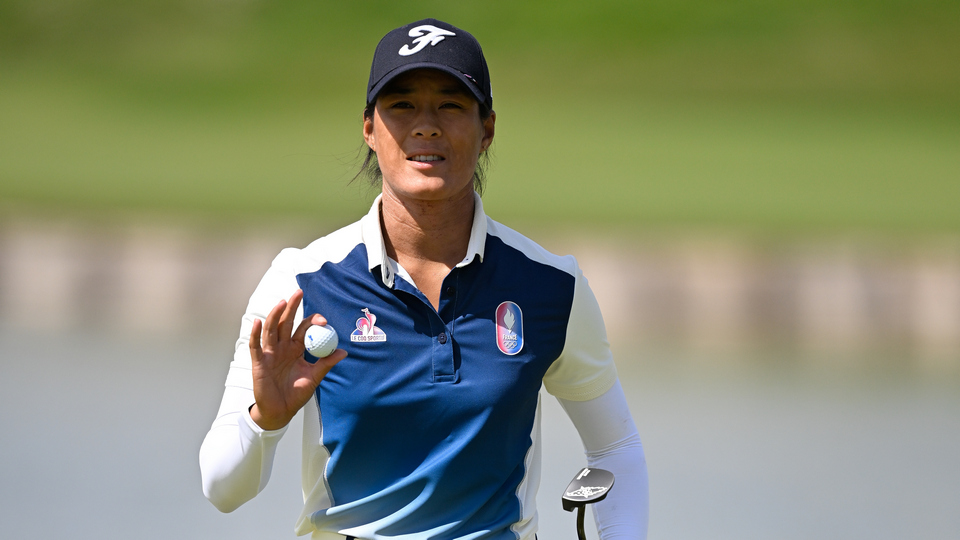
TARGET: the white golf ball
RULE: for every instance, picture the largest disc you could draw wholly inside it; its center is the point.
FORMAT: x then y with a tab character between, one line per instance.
320	341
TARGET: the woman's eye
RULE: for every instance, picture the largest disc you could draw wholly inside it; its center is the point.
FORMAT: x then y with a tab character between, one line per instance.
401	105
451	106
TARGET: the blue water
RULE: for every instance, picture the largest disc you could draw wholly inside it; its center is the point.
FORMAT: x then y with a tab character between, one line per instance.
101	435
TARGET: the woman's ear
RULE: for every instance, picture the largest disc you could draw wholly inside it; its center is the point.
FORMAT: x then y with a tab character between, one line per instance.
488	131
368	132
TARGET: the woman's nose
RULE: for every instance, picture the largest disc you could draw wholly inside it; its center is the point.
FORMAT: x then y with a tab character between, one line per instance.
427	125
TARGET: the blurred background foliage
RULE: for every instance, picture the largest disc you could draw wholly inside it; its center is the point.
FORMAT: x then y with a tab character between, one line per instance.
764	116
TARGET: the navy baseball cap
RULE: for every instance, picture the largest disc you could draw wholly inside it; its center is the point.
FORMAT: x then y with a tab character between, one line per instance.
431	44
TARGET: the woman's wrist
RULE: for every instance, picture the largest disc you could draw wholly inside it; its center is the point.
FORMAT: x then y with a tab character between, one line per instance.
266	423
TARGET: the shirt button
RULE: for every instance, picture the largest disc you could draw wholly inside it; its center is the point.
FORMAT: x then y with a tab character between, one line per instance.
442	338
451	290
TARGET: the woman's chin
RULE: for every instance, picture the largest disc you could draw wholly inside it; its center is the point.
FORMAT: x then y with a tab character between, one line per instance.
428	189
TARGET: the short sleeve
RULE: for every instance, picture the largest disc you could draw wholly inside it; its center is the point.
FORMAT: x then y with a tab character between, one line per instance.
585	368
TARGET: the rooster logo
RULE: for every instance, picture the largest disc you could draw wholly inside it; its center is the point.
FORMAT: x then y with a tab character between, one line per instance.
367	329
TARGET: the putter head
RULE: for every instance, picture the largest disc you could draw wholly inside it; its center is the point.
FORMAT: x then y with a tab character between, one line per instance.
587	487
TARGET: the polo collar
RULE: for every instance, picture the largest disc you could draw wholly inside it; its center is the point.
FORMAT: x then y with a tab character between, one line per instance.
377	251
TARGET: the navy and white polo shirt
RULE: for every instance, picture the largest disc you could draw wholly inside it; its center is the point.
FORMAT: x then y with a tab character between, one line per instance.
430	426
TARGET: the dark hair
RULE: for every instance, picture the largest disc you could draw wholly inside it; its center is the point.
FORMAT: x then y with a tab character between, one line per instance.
370	169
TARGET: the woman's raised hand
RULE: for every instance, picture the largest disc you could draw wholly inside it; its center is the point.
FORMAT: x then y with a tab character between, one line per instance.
282	380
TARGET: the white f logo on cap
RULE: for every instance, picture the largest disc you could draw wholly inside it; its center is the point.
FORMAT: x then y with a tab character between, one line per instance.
426	34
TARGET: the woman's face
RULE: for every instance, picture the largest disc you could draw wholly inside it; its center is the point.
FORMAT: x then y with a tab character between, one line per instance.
427	133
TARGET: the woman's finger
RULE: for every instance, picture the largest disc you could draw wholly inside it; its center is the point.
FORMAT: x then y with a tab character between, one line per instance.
255	350
285	328
271	332
324	365
307	322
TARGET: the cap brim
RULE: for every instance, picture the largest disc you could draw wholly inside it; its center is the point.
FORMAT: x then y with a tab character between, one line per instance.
477	93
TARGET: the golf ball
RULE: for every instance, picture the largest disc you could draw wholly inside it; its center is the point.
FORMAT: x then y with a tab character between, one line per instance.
320	341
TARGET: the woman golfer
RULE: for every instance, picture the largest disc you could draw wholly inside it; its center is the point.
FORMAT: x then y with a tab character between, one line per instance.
426	422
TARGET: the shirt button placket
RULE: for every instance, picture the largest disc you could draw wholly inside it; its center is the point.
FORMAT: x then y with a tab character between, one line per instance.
443	361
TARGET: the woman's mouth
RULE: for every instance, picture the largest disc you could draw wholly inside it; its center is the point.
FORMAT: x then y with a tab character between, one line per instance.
425	158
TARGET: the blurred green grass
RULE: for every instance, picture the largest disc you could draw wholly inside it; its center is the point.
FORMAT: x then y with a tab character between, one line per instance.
755	115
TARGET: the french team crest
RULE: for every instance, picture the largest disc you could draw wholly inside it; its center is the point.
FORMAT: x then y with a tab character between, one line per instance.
509	328
367	330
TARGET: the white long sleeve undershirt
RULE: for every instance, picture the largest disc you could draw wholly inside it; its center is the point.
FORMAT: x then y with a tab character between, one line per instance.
236	456
611	442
